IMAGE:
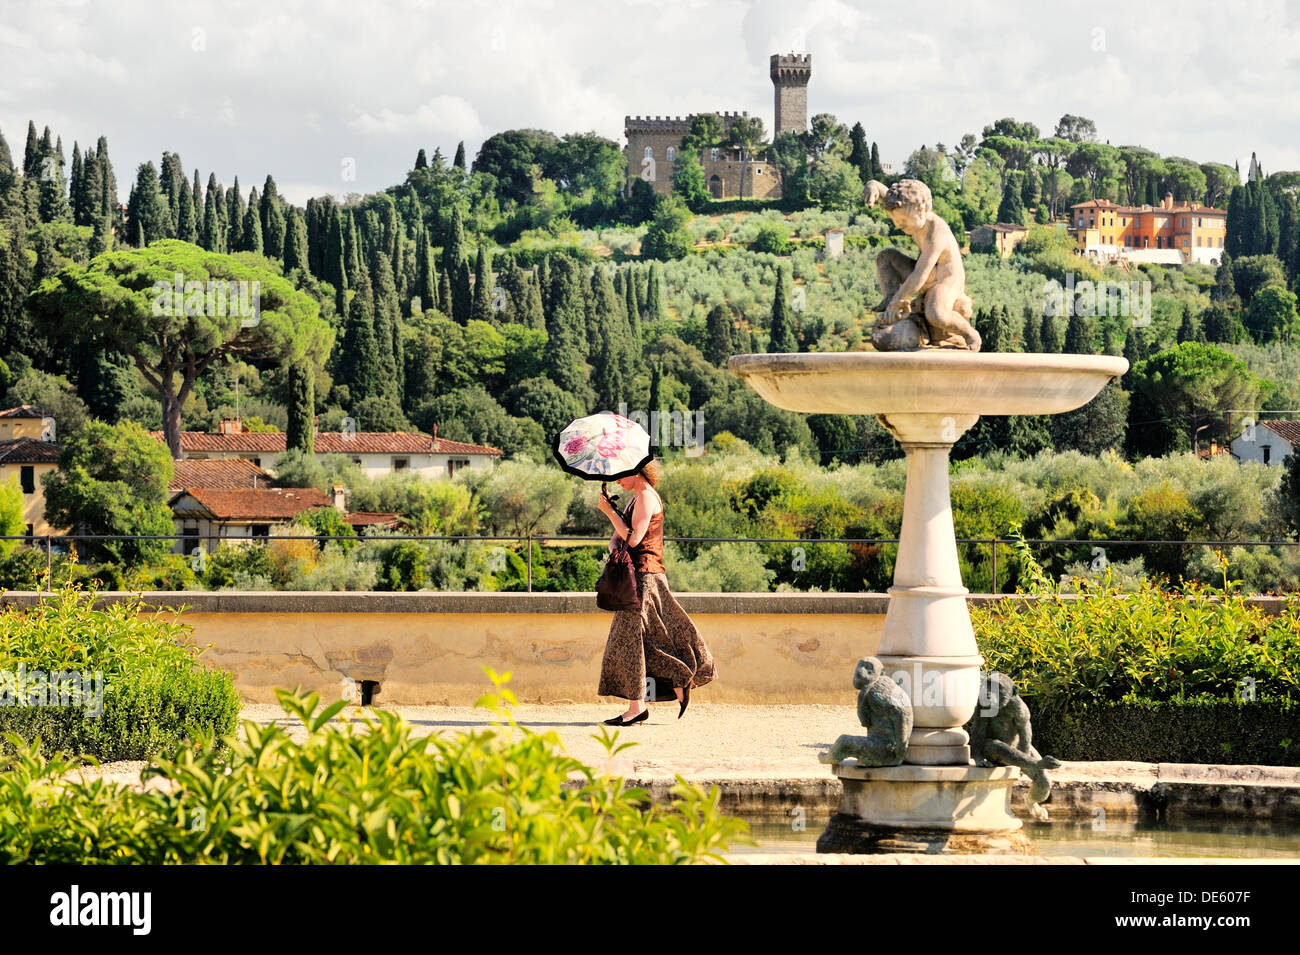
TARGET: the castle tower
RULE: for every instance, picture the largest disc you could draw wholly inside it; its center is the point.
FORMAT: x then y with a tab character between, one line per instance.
790	73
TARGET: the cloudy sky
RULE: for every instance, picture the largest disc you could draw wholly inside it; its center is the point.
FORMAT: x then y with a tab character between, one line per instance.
316	92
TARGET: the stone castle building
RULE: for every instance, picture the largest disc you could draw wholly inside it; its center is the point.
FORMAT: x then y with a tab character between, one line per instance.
654	142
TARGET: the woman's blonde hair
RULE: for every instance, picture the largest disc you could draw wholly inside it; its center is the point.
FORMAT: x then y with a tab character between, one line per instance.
652	471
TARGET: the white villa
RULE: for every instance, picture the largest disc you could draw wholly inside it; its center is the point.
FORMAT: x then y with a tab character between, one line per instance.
1269	442
376	452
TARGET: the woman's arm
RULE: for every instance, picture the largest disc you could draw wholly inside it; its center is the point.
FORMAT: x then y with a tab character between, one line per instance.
632	534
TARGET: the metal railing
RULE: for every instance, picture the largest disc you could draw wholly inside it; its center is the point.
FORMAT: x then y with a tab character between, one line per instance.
61	543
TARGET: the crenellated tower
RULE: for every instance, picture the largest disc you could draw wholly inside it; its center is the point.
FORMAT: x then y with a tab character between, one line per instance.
790	73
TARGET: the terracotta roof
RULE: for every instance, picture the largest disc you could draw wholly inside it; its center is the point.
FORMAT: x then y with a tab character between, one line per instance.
1008	227
260	504
219	473
329	442
1288	431
28	451
22	411
1108	206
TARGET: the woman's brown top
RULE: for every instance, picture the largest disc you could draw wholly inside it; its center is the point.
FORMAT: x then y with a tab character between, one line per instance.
647	556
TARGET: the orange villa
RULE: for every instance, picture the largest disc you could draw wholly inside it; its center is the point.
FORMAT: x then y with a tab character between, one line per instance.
1104	230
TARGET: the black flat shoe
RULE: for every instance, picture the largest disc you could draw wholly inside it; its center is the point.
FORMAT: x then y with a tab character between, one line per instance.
684	701
619	721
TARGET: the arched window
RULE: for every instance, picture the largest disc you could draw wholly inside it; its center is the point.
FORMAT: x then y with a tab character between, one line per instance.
649	152
671	154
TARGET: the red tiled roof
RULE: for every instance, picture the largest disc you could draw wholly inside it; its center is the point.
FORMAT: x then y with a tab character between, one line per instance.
218	474
28	451
1287	430
329	442
254	504
22	411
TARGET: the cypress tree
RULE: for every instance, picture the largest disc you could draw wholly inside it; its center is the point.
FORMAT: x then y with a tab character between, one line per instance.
187	226
564	324
654	308
145	210
421	161
335	273
211	239
453	248
1032	338
1078	336
611	372
718	330
108	199
1225	286
358	361
631	305
1049	335
295	242
1011	209
544	283
1135	350
300	434
462	301
388	330
426	279
31	153
235	213
483	290
101	240
6	158
87	196
351	248
997	333
781	336
877	171
196	198
252	224
1187	329
52	204
459	161
444	293
74	181
273	222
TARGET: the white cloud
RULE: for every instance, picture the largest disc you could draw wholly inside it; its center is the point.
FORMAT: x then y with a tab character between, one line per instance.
448	116
292	88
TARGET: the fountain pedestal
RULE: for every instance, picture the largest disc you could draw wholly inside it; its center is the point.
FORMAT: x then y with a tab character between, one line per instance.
938	800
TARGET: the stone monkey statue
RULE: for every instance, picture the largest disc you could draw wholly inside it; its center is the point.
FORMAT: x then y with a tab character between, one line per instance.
1001	735
885	710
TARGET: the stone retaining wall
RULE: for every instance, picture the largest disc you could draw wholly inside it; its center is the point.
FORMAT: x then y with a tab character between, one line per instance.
430	648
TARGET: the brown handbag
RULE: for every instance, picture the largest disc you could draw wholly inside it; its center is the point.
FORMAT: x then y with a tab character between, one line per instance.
616	589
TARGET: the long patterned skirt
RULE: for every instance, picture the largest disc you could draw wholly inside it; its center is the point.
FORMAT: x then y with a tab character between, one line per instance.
660	642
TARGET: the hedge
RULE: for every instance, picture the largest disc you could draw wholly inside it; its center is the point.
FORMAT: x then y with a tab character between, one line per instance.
1203	730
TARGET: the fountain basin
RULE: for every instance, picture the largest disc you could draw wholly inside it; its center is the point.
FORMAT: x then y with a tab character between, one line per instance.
937	801
927	382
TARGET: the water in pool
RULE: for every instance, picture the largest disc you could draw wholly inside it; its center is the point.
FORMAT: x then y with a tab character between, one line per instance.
1077	837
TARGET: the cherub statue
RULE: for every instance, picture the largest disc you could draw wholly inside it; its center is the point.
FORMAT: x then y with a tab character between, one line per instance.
925	301
1001	735
886	712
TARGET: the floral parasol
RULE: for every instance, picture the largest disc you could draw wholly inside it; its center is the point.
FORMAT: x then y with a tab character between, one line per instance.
602	447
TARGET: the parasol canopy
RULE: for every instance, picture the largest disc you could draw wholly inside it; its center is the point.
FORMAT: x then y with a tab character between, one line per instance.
602	447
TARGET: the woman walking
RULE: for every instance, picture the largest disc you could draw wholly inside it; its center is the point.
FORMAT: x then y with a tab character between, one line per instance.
659	641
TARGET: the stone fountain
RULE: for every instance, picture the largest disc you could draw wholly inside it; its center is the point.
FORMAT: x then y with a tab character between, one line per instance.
927	385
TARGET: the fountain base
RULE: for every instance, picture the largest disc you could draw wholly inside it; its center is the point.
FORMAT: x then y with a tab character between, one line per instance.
930	809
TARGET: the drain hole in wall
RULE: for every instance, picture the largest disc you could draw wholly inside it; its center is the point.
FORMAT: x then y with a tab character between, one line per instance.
369	690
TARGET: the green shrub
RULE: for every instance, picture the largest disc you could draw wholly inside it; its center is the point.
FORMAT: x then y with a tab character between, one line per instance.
1237	732
359	793
404	566
155	693
234	561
